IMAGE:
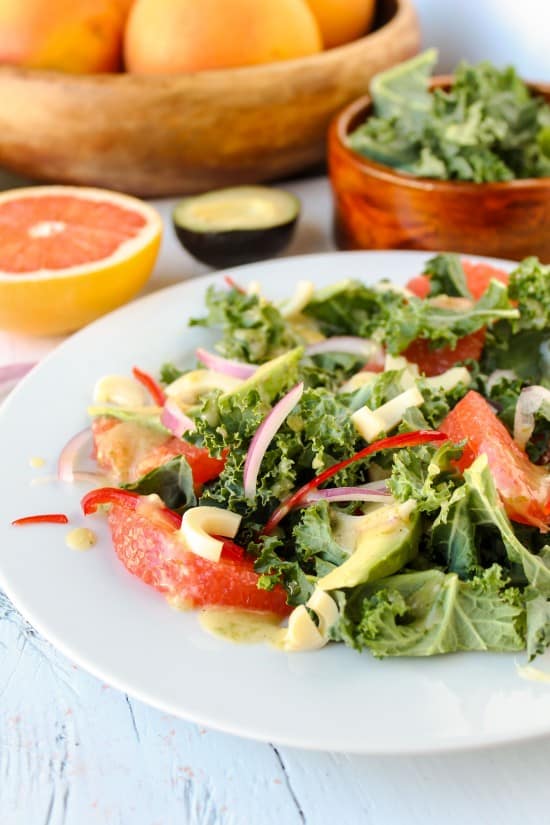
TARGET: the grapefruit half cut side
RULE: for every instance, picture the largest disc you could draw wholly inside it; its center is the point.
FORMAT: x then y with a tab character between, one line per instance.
70	254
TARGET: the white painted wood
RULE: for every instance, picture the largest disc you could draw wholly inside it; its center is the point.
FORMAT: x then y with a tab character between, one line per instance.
507	786
75	752
72	750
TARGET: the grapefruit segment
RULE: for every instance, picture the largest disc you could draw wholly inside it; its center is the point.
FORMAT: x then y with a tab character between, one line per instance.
128	450
524	487
478	278
156	556
436	361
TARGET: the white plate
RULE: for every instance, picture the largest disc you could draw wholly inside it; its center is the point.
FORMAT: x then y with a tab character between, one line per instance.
123	632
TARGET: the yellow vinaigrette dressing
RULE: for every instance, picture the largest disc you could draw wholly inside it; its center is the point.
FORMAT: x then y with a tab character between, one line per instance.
243	626
81	538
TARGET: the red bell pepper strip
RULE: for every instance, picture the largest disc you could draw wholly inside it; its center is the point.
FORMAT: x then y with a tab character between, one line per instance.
233	284
167	518
230	550
153	387
392	442
131	501
45	518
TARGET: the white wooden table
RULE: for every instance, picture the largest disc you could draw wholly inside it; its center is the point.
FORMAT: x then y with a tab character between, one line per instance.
74	751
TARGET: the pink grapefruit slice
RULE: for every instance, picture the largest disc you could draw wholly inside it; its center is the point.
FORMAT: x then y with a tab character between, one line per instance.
70	254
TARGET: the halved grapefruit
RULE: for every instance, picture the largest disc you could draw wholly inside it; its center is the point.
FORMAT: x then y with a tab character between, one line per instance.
69	254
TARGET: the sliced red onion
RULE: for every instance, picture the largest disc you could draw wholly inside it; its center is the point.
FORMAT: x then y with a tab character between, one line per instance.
362	347
175	420
374	491
497	375
65	465
530	400
264	435
237	369
13	372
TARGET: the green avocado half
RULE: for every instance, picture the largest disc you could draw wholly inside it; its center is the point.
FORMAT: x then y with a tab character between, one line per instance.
238	225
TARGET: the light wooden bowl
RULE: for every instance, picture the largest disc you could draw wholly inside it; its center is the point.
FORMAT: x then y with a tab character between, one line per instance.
154	136
376	207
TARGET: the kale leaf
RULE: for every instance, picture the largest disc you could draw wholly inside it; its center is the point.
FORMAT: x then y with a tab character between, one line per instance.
523	344
276	569
253	330
316	435
447	276
486	127
169	373
538	623
426	474
313	537
487	510
352	308
172	481
429	612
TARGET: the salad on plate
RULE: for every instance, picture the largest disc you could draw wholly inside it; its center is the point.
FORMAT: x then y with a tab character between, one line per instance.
366	464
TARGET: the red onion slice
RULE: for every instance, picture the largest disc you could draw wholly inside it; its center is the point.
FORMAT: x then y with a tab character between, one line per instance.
175	420
264	435
65	464
237	369
9	373
374	491
362	347
530	400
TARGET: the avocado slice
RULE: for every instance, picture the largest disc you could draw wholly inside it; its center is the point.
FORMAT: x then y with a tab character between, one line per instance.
269	379
237	225
387	542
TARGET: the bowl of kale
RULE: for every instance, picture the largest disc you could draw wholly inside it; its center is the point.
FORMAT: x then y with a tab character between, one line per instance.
456	162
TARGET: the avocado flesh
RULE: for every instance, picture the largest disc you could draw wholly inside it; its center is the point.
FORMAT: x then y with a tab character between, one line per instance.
238	225
269	378
384	546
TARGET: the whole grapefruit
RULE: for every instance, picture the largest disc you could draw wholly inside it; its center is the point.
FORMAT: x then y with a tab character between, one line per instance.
171	36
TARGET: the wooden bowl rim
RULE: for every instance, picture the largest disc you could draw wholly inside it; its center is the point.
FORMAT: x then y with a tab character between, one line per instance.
404	9
339	130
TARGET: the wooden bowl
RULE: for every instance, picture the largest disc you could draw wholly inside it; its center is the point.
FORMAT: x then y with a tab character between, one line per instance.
180	134
376	207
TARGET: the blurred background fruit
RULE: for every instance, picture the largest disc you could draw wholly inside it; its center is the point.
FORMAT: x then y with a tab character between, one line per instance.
193	131
68	255
171	36
69	35
228	227
342	20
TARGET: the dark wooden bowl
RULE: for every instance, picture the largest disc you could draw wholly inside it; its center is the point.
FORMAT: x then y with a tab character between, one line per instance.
376	207
176	134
